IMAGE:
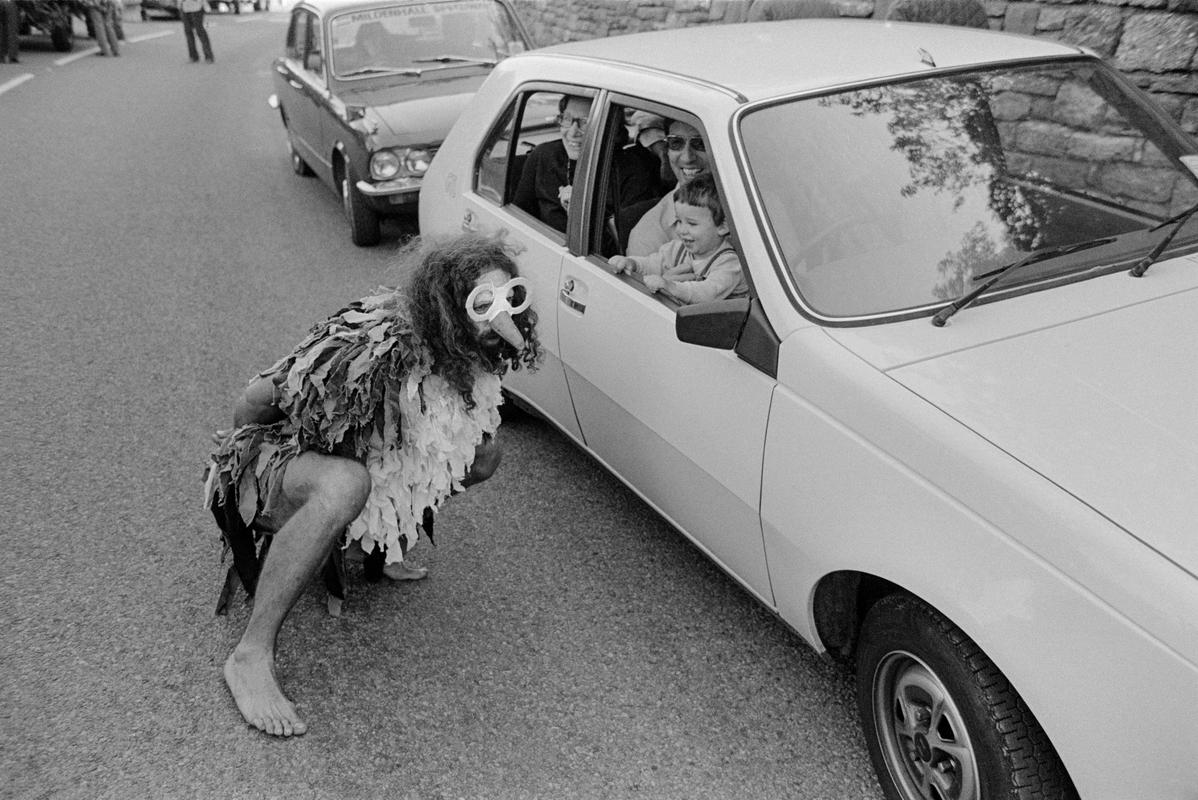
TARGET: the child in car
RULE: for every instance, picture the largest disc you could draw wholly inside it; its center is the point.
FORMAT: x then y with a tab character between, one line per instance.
700	265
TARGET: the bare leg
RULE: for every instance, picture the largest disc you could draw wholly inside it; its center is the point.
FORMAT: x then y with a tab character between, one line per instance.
326	494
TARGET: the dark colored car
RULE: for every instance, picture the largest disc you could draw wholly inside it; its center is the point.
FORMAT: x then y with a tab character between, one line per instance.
368	90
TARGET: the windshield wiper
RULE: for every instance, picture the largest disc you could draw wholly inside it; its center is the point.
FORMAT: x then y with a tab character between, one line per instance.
412	71
995	275
489	62
1147	261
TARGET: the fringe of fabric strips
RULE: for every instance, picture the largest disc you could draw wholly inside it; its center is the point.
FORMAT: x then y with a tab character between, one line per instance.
362	379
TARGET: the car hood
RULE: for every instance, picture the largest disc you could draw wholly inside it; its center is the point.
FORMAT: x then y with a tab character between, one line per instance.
1105	404
421	112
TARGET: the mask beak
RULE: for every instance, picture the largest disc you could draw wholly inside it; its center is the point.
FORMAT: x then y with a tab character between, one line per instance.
505	327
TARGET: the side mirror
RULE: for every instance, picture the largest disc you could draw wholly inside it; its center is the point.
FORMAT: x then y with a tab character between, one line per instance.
717	324
315	62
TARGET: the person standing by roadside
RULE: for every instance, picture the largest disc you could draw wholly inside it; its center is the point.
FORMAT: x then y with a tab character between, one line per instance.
192	12
10	24
100	14
118	18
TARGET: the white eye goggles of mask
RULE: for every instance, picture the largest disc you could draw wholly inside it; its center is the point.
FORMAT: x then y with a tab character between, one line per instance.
500	300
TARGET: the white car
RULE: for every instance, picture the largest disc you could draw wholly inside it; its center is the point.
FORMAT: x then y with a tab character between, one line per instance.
948	437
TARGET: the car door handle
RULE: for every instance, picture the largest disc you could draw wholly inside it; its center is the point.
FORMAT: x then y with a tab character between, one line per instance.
469	223
567	297
295	84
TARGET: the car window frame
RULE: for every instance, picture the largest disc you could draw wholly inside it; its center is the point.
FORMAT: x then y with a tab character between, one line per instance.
314	45
512	114
599	157
291	49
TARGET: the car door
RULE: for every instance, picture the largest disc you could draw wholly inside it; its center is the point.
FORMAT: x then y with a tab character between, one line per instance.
528	121
684	425
301	87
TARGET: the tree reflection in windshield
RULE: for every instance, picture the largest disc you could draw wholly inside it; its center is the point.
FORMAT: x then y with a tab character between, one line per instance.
894	196
948	136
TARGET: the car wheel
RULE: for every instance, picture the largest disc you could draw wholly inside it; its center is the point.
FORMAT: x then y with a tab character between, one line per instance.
363	220
62	37
298	165
941	721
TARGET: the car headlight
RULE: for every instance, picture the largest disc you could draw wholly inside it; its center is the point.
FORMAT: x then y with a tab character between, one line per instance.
384	165
416	160
406	162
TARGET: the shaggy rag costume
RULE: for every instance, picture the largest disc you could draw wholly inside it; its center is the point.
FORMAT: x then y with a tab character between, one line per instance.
361	386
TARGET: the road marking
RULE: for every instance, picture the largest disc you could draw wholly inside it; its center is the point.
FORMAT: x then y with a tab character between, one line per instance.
15	82
76	56
93	50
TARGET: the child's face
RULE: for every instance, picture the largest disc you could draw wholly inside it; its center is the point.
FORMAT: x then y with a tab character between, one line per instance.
697	229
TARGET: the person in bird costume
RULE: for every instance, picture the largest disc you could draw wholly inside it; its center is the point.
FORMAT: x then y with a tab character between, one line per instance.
358	436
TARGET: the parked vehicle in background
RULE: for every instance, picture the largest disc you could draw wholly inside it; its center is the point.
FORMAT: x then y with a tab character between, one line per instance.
950	437
51	17
367	89
168	7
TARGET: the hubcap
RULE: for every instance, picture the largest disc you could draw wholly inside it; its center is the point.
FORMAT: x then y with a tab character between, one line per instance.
922	733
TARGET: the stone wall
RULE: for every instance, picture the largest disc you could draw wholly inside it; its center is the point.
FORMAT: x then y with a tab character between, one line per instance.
1154	42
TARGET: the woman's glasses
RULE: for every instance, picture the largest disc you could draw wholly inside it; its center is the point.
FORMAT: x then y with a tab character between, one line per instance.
676	143
567	121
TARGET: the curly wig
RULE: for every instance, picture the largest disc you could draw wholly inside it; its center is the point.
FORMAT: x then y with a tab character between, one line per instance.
444	272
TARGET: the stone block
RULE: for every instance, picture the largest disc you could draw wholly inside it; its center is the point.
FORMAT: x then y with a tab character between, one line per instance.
1051	18
1096	28
1136	182
1078	107
1157	42
1043	138
1189	116
1095	147
1021	18
858	9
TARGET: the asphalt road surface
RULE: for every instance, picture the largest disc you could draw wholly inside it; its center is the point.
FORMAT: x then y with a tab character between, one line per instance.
155	251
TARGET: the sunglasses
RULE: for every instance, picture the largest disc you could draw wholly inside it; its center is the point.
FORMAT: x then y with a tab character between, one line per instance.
567	121
676	143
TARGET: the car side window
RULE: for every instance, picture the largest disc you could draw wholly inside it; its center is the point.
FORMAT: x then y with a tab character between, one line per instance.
520	164
658	212
297	35
314	49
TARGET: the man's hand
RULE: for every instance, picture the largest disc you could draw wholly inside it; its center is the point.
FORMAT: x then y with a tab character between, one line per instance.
655	283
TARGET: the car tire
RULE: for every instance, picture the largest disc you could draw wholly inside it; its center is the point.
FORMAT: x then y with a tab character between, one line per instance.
62	37
941	721
364	230
298	165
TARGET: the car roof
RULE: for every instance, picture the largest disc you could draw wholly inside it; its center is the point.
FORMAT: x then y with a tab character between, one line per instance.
785	57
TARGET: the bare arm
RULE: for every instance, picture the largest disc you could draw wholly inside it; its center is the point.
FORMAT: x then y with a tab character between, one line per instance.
258	403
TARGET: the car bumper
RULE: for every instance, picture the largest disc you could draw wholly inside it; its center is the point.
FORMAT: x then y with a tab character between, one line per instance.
398	192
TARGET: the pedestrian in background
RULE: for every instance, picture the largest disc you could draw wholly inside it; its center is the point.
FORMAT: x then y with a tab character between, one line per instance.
193	26
118	18
100	14
10	29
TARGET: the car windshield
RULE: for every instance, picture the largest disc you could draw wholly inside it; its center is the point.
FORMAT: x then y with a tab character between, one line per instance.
897	197
413	38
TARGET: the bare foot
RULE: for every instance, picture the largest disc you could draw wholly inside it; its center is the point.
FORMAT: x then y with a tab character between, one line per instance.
251	679
402	572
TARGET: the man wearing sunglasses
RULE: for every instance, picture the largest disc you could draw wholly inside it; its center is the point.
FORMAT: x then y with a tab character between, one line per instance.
687	154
